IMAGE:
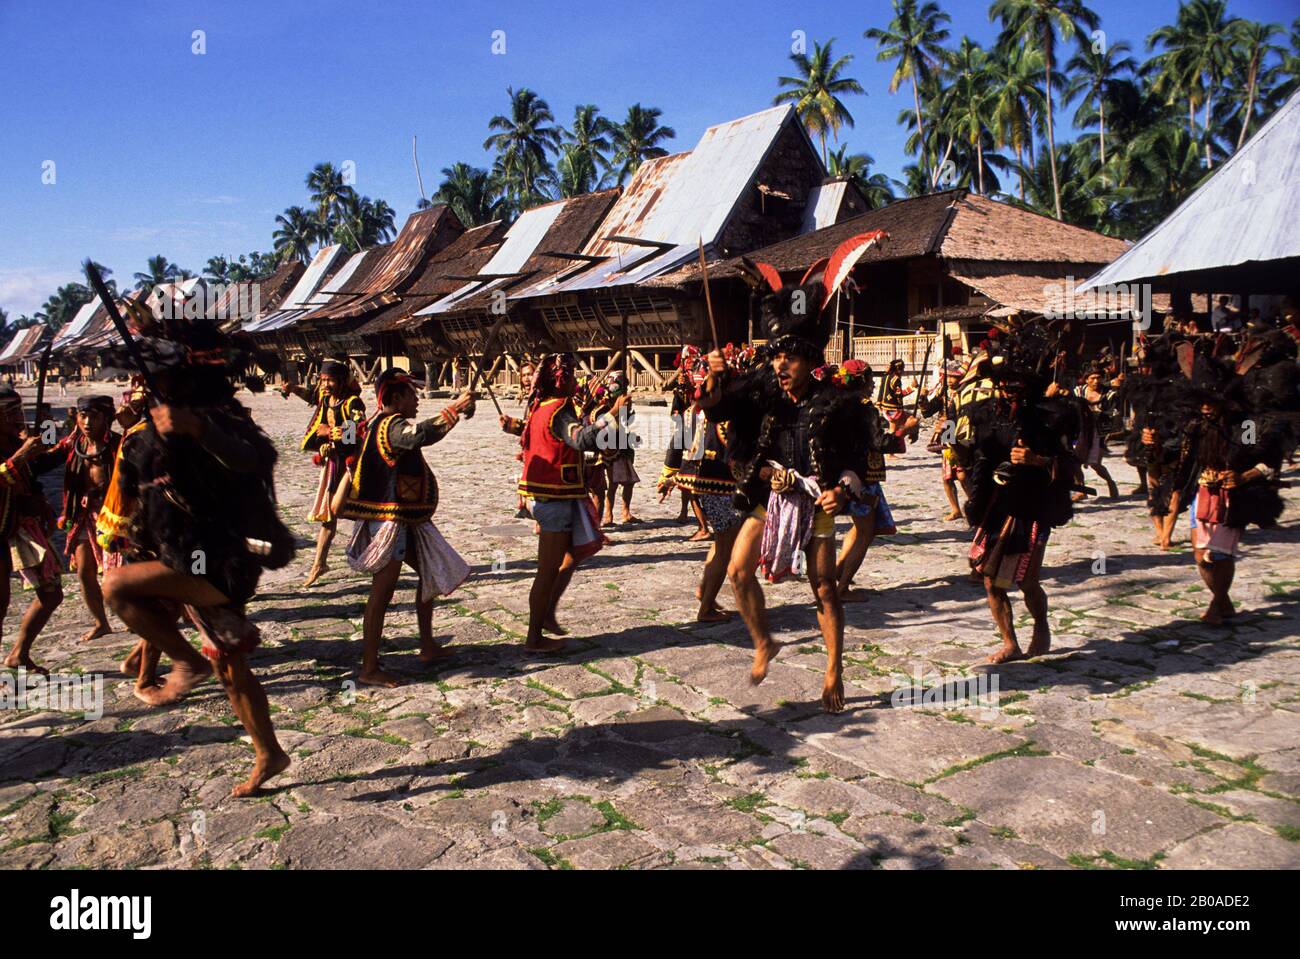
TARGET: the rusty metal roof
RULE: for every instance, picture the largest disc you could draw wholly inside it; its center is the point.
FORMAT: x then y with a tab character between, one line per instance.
414	244
299	300
24	342
675	201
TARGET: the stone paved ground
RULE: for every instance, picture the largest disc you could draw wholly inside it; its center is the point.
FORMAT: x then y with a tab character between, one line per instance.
1145	739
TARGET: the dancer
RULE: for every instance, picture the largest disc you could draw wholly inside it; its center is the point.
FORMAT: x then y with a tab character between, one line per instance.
944	438
1229	462
333	437
893	394
568	525
89	453
1021	475
25	518
868	508
515	427
713	487
799	443
203	527
1098	401
393	496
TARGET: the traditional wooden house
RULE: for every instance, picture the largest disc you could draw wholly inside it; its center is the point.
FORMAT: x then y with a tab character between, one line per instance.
746	184
274	328
332	329
952	261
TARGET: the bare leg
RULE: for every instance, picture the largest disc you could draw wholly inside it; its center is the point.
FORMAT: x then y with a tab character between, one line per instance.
39	611
830	617
1112	490
1000	607
562	580
1036	602
91	594
323	540
703	531
715	572
854	551
552	550
742	571
683	515
372	626
950	491
608	518
249	701
134	592
627	504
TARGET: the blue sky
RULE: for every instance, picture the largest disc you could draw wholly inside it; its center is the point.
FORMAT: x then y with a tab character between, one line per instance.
159	150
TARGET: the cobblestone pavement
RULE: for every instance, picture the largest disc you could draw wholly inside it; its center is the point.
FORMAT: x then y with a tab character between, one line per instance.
1144	739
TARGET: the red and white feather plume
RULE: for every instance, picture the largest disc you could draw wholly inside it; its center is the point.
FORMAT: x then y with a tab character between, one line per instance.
846	255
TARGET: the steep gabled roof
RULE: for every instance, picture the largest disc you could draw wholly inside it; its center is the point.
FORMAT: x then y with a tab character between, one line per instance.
676	202
1245	213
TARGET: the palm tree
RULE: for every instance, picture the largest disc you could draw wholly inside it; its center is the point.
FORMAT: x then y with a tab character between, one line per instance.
218	269
361	222
914	39
816	91
328	192
158	272
575	172
522	143
472	194
1251	46
1018	99
297	231
1196	58
63	304
588	143
1036	24
1093	70
967	102
876	188
637	139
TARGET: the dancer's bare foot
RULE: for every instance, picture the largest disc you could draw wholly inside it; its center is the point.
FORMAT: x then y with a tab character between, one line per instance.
850	595
544	647
1009	652
698	536
436	654
714	615
629	519
764	653
377	677
179	681
833	694
263	769
25	662
553	627
949	517
1040	645
316	573
96	631
131	665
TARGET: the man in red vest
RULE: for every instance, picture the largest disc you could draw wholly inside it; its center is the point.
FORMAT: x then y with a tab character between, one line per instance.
553	443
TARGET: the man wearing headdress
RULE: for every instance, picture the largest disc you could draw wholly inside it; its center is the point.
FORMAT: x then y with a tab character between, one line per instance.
867	508
88	454
797	440
203	526
393	496
620	463
893	394
333	437
516	426
1098	402
25	518
568	526
1021	475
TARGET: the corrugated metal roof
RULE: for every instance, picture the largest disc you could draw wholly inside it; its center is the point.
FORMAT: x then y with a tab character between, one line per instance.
823	206
23	343
78	324
299	299
1247	211
679	199
520	242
